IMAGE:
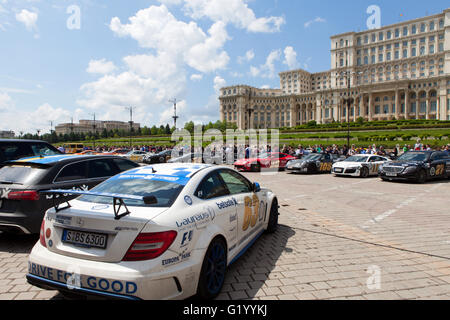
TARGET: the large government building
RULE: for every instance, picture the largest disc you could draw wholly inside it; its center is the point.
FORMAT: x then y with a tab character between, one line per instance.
88	126
401	71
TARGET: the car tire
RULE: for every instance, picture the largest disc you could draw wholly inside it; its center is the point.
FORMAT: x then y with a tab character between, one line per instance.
256	167
273	217
364	172
421	176
161	160
214	267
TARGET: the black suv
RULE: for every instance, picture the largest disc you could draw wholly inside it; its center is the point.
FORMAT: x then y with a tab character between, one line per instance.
11	149
22	206
418	166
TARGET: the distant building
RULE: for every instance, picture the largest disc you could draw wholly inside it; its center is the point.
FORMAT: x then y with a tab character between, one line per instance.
87	126
7	134
400	71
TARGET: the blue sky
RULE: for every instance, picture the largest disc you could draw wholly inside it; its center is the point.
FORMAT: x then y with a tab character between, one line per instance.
144	53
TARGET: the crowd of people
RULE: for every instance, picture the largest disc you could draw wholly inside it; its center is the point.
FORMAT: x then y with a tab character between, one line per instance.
297	152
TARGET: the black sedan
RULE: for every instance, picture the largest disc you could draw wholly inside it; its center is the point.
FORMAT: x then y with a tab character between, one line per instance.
22	206
418	166
161	157
313	163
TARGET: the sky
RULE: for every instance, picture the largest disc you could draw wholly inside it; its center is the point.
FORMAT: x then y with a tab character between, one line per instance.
64	59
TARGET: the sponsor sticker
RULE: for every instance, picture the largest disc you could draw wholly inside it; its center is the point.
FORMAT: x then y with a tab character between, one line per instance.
83	281
188	200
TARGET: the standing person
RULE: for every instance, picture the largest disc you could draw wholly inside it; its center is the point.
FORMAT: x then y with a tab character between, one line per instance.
418	146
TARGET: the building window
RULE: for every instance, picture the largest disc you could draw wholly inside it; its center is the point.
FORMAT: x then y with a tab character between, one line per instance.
397	33
413	107
413	52
441	47
386	109
405	31
422	27
432	26
431	49
433	106
414	29
381	36
373	59
405	53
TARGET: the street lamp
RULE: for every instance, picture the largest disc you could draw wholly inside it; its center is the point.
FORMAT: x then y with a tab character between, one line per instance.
349	101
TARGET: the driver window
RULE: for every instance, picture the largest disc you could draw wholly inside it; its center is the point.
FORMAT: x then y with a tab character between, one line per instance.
211	187
235	183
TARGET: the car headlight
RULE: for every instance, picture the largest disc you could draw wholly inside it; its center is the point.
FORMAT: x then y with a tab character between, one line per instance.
410	169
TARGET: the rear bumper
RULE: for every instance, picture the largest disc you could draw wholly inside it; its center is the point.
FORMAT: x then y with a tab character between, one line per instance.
47	284
144	280
20	222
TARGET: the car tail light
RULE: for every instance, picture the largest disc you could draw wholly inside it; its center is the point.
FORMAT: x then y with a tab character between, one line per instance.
42	234
149	246
24	195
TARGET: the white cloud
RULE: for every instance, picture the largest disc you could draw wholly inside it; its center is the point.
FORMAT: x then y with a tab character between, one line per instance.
5	101
17	120
235	12
267	70
101	66
316	20
290	58
249	56
219	83
196	77
156	28
28	18
148	81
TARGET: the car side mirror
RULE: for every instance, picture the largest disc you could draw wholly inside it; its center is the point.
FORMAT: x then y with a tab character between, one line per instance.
256	187
149	200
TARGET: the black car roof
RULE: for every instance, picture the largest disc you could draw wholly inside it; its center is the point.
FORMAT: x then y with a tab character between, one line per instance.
59	159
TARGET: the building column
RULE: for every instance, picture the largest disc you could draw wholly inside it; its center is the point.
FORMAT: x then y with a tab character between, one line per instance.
407	105
370	106
427	109
397	104
438	107
417	106
361	106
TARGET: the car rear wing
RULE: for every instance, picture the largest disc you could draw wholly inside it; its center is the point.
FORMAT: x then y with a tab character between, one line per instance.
118	200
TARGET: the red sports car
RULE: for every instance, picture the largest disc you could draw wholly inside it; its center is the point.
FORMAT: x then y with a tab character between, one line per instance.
264	160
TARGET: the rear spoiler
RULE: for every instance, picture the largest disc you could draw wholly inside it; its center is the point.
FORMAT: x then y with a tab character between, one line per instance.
118	200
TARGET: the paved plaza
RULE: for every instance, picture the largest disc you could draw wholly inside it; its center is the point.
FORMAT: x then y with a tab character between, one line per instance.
339	238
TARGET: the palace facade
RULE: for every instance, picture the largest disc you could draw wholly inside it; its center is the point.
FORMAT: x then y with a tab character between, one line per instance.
401	71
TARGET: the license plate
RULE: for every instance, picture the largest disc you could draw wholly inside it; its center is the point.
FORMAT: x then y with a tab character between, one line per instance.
338	170
391	174
85	239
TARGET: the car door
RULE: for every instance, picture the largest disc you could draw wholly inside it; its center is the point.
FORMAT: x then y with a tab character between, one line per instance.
374	164
249	207
216	198
326	163
275	160
438	164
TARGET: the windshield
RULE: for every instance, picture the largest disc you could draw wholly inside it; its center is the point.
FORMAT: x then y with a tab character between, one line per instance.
312	157
20	174
165	192
414	156
357	159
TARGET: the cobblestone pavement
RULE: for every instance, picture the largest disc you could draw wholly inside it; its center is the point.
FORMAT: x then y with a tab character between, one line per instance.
337	236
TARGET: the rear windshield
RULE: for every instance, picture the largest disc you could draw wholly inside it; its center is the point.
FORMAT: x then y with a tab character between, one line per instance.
165	192
24	175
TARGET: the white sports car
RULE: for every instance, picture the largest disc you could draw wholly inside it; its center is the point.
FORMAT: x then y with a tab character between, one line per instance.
360	165
167	231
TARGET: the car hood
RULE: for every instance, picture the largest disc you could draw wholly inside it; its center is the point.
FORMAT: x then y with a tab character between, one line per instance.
347	164
405	163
